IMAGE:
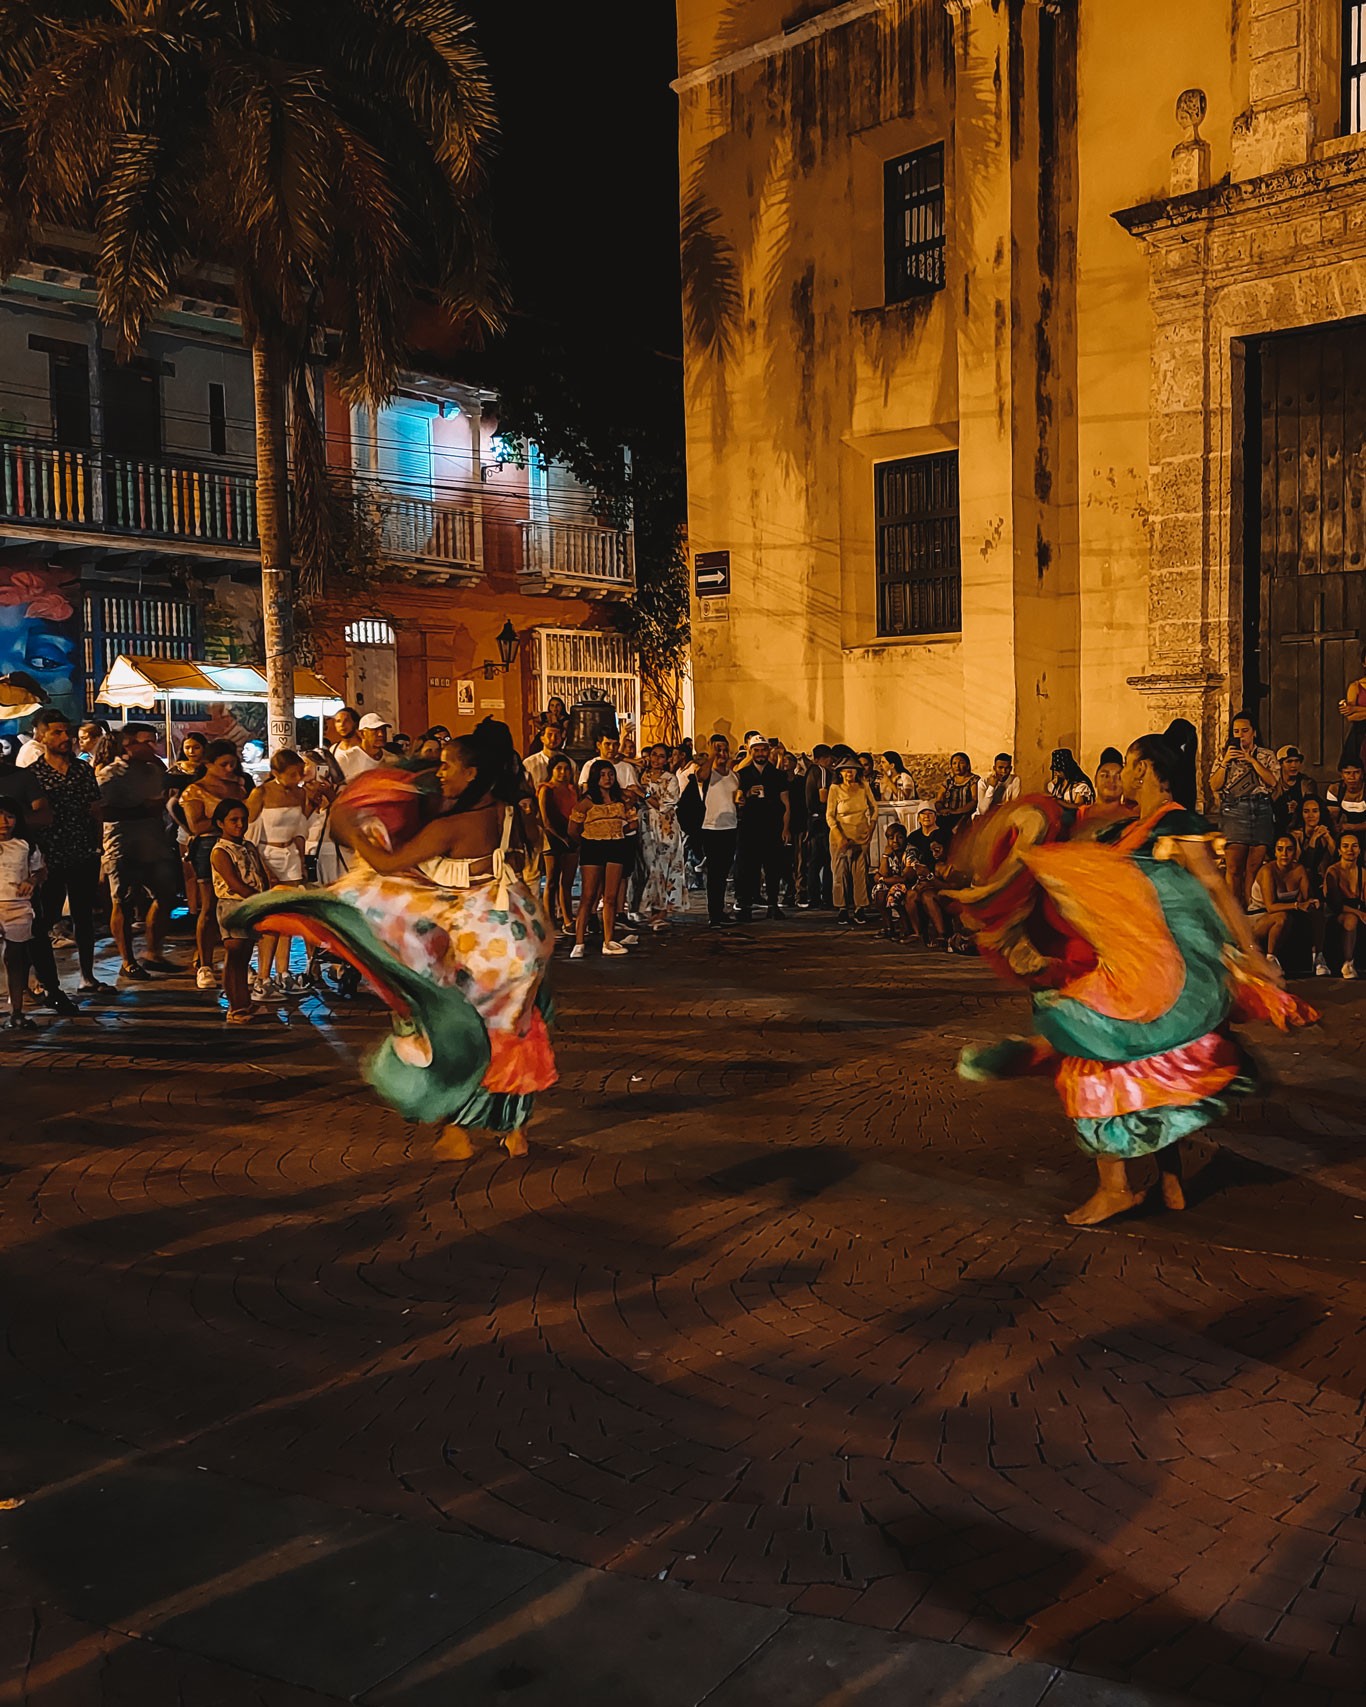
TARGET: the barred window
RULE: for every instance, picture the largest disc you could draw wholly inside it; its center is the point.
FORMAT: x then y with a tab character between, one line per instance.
913	224
919	569
369	631
1353	67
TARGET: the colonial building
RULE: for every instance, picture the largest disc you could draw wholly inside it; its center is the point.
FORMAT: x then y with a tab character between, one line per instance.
128	524
1026	378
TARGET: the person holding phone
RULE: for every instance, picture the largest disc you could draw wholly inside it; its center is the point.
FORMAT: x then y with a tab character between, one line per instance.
1245	779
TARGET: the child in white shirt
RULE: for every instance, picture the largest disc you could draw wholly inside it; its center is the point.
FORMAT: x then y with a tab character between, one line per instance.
21	871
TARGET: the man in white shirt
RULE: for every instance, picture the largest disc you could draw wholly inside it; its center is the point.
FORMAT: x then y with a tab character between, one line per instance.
609	747
361	747
537	767
1000	786
720	824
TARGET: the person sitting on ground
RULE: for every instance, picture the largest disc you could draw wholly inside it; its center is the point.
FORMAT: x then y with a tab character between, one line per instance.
21	871
1280	893
851	814
927	841
1347	799
1109	790
1291	789
890	888
601	822
958	797
1315	842
1067	781
1002	785
238	873
1344	899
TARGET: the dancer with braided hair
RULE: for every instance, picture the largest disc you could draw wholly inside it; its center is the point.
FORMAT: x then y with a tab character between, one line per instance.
436	914
1139	960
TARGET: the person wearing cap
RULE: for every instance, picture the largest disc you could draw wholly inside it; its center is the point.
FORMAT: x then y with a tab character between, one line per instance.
365	750
851	814
765	829
1288	796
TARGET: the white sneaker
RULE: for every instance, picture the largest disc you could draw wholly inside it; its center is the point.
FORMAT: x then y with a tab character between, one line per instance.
204	979
262	989
1349	970
1321	967
577	952
298	984
614	948
629	940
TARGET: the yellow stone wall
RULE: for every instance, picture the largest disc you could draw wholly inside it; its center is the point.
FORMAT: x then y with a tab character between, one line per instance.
1083	370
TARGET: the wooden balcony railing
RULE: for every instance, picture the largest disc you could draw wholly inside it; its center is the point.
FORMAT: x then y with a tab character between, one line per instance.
570	551
423	530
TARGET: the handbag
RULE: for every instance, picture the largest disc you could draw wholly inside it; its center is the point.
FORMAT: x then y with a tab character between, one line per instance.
691	810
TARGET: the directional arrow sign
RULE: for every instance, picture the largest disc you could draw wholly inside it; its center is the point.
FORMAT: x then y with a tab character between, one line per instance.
711	574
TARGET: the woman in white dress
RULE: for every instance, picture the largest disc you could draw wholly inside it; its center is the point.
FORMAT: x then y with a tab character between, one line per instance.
281	811
665	892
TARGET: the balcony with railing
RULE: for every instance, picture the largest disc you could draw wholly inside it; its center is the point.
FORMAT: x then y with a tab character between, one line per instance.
438	538
577	559
85	492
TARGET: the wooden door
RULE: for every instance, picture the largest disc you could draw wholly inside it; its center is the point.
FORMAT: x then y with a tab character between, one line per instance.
1312	430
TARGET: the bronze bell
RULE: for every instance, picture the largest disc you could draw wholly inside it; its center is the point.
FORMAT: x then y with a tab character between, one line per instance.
593	715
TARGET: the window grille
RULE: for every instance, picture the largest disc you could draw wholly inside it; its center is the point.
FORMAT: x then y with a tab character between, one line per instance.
1353	67
370	631
919	568
913	223
570	660
142	625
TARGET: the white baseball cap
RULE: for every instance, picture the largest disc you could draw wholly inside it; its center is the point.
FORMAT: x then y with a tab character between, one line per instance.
373	720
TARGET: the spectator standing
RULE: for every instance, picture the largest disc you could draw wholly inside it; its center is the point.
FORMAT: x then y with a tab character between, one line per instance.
238	873
819	775
359	746
554	716
556	799
1346	799
89	736
1344	899
138	857
1067	781
600	822
661	841
280	814
199	801
764	830
538	765
958	797
851	813
794	854
999	786
1244	779
21	871
609	748
1353	708
23	788
718	825
69	841
894	782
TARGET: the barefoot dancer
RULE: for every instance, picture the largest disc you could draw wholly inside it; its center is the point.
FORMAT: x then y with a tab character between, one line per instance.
1138	956
437	918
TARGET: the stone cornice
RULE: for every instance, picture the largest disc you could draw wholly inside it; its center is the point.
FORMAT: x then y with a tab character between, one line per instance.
844	12
1176	681
1291	183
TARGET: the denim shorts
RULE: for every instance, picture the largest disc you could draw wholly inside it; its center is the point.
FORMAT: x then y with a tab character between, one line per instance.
1250	822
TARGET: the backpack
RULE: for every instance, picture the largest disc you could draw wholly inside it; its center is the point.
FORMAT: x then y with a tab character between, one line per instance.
692	808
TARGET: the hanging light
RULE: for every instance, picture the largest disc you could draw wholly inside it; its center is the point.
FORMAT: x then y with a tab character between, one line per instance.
508	644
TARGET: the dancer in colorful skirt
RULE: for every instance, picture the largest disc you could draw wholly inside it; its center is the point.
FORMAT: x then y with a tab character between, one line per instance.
434	912
1139	961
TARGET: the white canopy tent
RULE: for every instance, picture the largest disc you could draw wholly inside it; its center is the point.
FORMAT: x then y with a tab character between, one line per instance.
144	683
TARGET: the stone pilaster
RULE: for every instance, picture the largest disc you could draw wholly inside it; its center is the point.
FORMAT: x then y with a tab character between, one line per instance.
1277	129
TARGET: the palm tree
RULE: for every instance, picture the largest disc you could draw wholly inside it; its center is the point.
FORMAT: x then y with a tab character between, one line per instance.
329	153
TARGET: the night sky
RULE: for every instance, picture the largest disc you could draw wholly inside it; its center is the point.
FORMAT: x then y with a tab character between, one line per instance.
586	186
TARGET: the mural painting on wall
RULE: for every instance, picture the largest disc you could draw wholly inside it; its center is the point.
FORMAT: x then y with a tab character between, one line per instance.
40	633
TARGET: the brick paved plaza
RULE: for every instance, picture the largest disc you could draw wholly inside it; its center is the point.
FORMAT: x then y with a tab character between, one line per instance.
777	1313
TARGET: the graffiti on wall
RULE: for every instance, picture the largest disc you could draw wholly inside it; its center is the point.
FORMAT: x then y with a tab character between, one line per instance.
40	632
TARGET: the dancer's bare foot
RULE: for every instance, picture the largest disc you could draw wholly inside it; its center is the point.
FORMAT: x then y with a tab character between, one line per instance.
515	1143
1173	1194
453	1145
1103	1205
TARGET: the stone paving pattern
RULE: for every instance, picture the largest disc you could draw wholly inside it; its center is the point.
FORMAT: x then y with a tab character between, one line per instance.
777	1311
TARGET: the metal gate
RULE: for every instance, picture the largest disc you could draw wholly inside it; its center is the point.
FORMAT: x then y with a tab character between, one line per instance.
1308	417
571	660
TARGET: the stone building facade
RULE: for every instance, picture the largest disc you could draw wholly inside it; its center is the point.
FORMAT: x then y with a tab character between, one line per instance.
1098	460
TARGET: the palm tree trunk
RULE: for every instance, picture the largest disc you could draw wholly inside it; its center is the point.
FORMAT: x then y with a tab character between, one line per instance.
272	521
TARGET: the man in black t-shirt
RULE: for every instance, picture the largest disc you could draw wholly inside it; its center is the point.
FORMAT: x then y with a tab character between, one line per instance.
765	830
1291	790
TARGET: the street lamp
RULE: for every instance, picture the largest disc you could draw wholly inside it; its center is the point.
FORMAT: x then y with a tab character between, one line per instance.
508	643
